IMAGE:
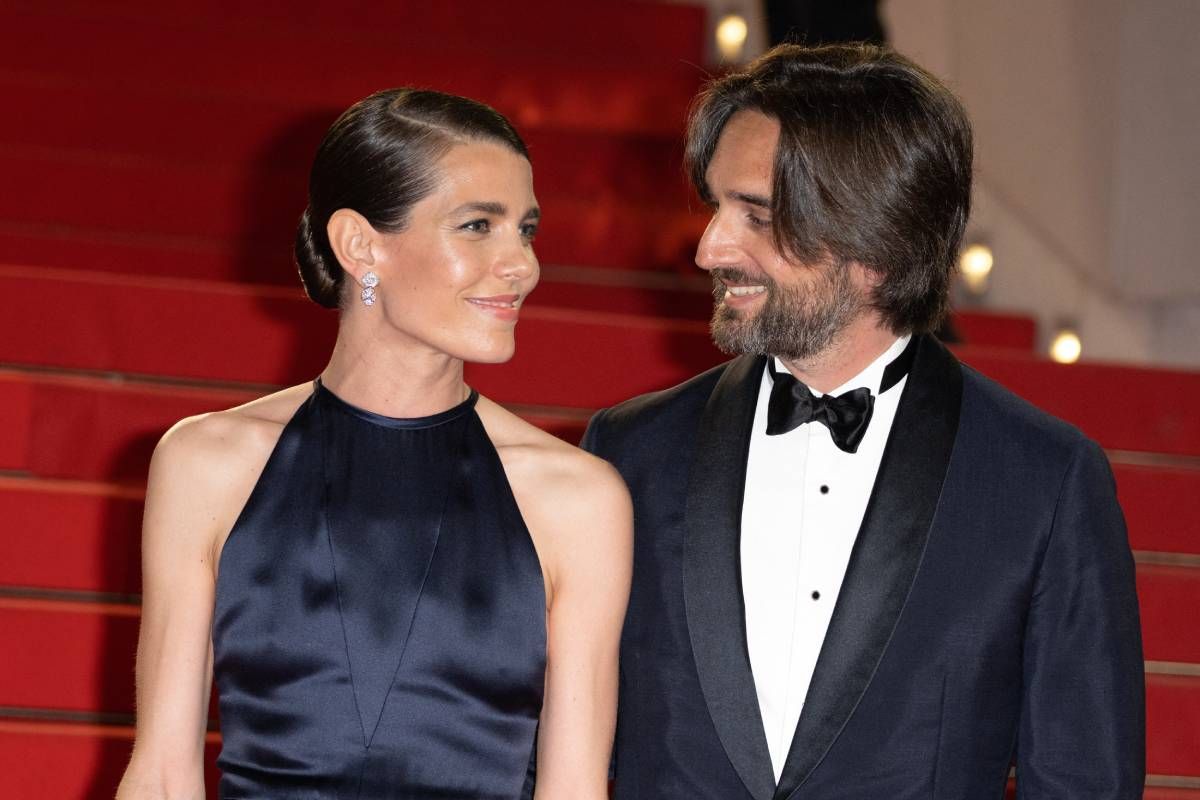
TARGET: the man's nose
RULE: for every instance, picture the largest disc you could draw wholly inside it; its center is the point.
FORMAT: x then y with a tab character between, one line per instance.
718	246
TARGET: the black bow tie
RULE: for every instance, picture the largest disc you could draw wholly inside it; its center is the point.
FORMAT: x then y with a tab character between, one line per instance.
847	415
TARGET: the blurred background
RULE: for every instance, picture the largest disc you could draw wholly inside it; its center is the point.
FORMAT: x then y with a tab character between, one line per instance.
1086	118
153	161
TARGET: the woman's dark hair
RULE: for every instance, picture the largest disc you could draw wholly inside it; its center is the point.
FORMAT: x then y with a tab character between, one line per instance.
379	159
873	165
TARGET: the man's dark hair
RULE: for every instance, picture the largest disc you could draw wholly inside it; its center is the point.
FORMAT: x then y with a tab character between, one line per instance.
873	166
379	159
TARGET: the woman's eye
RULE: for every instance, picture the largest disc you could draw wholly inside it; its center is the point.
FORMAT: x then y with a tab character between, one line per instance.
476	226
758	222
529	231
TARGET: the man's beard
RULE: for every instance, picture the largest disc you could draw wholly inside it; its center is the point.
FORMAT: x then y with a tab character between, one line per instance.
794	323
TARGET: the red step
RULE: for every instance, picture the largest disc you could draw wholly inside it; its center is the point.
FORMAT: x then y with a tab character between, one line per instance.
52	760
68	656
95	428
143	124
259	138
72	656
619	32
254	209
996	329
1168	597
136	194
170	328
16	409
1150	419
272	168
1173	724
1161	507
124	253
70	535
598	86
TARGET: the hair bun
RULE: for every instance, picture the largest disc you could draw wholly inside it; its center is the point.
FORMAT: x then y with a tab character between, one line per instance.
319	271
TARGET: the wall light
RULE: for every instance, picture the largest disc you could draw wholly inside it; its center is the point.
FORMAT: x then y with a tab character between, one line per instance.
975	263
731	36
1066	347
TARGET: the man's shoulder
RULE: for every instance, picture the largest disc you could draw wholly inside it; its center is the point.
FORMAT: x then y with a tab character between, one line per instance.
678	403
1014	420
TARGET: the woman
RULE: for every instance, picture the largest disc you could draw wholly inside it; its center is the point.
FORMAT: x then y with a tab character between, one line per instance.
412	581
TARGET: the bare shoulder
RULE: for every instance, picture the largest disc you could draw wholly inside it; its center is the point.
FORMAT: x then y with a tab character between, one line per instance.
575	505
205	466
539	463
218	440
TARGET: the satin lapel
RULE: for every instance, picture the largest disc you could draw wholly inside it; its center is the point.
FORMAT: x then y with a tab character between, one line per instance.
712	586
885	558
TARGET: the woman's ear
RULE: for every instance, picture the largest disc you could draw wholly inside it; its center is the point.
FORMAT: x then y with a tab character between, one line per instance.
353	241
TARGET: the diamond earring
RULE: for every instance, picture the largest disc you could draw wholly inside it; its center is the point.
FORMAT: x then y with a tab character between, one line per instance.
369	281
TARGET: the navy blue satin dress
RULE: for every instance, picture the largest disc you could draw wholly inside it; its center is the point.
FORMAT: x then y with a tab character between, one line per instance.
380	621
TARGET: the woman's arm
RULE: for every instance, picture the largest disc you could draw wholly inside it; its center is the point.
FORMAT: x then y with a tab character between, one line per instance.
190	491
589	550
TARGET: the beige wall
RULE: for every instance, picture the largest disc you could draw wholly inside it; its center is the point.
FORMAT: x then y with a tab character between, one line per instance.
1087	117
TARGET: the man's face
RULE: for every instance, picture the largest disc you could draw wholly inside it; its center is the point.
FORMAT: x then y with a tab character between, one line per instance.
764	302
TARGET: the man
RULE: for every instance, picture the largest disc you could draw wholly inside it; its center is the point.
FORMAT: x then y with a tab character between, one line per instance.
862	570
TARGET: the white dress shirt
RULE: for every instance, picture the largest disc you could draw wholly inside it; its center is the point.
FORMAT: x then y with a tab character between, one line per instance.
803	505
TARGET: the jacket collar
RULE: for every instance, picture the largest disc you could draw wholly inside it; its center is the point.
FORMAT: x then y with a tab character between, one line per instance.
883	564
712	585
885	559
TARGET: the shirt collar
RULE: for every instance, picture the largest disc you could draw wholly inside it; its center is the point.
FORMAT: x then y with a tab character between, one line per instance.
871	377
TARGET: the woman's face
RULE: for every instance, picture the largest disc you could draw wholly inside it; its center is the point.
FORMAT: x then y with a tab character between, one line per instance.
456	277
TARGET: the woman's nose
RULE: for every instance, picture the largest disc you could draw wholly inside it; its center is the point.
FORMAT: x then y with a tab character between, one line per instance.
517	263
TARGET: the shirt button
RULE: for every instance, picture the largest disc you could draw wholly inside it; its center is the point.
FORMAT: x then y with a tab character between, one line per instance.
816	595
824	490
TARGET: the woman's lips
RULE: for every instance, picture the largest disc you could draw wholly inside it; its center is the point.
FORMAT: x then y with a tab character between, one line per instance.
501	306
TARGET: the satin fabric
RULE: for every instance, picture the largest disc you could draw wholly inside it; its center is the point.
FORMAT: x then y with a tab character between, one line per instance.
380	621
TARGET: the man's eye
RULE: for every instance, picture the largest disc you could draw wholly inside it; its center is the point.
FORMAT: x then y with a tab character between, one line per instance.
758	222
529	231
476	226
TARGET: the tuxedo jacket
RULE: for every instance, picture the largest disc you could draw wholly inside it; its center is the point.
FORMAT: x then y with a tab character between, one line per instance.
987	616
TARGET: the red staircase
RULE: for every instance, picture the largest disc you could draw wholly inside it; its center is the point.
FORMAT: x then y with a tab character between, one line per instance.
154	166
